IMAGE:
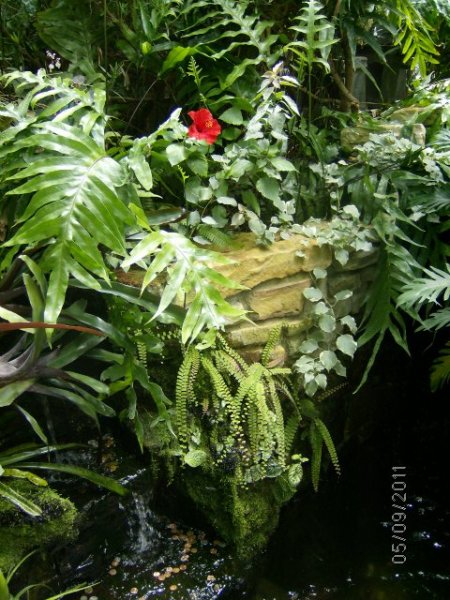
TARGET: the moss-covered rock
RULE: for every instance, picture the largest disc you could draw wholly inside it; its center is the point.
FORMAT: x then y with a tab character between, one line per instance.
19	532
244	517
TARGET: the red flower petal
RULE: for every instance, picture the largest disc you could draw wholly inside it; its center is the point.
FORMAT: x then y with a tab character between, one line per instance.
204	127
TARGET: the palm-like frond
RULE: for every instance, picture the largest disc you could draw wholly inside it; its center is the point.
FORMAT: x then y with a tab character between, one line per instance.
188	272
316	35
74	206
426	290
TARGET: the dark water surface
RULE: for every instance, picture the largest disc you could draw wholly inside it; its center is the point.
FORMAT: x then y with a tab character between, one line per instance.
333	545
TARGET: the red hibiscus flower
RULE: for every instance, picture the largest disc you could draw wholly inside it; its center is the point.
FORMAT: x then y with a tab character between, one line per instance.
204	126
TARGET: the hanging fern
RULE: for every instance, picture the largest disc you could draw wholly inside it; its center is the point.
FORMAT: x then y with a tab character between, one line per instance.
290	432
316	456
183	387
326	437
272	341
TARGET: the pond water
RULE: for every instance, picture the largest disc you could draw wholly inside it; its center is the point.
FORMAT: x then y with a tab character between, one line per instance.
333	545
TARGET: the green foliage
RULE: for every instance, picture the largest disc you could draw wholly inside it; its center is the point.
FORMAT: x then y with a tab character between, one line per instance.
440	371
414	37
315	42
7	594
242	404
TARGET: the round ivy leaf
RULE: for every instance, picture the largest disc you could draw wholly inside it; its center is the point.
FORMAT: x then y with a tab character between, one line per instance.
312	294
346	344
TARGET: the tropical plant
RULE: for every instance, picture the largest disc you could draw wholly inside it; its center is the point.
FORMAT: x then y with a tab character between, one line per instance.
15	464
7	594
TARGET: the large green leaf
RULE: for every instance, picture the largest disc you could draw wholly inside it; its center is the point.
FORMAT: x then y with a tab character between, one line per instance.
101	480
74	207
19	500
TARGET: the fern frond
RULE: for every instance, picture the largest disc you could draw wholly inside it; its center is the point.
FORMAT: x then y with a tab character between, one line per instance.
223	28
326	436
414	37
219	384
217	237
279	423
182	394
440	370
426	290
227	363
437	320
316	456
194	71
272	341
232	352
290	431
316	33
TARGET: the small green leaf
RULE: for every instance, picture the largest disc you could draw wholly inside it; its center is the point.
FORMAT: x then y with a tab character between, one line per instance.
328	358
341	256
196	193
269	188
282	164
319	273
327	323
312	294
195	458
177	55
343	295
176	153
308	346
142	170
346	344
198	164
233	116
11	391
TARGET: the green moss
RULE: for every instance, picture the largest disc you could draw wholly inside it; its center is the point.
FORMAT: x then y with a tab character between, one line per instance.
244	517
19	533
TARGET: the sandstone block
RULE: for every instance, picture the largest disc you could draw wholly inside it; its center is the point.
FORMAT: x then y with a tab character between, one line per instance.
256	334
278	298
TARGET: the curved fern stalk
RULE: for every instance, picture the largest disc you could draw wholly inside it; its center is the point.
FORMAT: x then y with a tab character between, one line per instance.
219	384
232	352
227	363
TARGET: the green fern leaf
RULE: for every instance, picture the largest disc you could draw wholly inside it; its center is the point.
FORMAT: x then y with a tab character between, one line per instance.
75	203
440	370
326	436
316	457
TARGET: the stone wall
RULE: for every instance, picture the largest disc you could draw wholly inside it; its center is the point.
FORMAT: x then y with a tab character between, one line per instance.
275	278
